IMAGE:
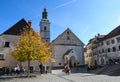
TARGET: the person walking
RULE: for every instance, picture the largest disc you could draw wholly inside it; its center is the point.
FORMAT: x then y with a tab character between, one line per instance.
67	69
41	68
22	69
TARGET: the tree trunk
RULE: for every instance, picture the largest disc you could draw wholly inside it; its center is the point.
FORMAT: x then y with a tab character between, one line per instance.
28	73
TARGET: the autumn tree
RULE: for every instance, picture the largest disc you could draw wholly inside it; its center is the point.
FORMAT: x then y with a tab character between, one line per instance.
31	47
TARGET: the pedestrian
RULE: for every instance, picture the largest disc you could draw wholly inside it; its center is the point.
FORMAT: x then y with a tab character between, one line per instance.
22	70
41	68
45	69
17	69
67	69
7	71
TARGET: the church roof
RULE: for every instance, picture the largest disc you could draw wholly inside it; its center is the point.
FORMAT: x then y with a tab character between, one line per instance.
17	28
68	38
113	33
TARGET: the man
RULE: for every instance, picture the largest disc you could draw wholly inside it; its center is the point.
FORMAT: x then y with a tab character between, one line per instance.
41	68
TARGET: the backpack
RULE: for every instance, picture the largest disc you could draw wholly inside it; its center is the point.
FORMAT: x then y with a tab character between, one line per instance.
68	68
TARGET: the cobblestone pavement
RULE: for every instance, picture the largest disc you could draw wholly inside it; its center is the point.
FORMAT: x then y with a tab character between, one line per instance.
62	77
92	78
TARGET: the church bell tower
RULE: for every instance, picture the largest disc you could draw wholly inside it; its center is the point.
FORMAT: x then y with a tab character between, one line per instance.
45	26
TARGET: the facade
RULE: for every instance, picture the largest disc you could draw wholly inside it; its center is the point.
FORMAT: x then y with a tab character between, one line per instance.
6	47
67	47
107	50
92	50
7	41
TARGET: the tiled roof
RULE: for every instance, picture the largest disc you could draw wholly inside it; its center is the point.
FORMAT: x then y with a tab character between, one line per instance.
17	28
113	33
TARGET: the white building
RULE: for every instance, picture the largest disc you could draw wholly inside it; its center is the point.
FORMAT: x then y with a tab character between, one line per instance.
7	41
110	47
104	49
68	49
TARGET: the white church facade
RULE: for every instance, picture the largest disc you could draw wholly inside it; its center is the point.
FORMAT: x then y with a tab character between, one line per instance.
67	47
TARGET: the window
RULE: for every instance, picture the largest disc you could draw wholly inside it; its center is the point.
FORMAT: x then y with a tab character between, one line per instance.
108	49
7	44
102	50
45	28
114	49
68	38
67	32
107	43
59	63
119	47
112	41
1	56
118	39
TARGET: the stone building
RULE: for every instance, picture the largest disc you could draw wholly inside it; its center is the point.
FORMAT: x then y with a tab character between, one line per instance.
68	49
110	47
91	50
103	49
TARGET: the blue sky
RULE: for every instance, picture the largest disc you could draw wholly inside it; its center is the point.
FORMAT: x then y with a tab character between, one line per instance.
85	18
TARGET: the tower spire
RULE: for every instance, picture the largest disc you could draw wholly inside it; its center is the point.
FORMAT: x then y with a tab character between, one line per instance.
44	14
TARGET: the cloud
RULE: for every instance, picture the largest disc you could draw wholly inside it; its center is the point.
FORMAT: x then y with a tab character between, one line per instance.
65	4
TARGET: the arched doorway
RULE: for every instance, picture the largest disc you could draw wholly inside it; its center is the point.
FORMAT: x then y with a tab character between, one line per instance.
72	61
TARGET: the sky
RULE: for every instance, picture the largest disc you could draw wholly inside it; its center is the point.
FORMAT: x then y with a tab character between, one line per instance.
85	18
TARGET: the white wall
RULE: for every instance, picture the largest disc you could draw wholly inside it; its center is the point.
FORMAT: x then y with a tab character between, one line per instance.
60	50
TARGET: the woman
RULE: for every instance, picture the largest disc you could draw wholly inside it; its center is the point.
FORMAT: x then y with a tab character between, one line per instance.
67	69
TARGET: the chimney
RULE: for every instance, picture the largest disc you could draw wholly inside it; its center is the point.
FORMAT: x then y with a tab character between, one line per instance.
29	23
98	34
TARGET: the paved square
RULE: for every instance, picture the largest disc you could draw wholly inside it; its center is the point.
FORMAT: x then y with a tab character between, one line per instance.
76	77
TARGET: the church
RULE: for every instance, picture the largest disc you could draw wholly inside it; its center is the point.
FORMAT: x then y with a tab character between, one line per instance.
67	47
